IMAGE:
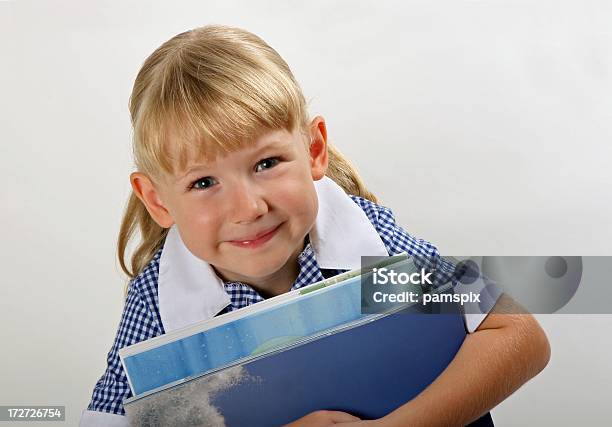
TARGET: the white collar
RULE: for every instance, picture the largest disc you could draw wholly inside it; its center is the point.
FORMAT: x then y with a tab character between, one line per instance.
190	291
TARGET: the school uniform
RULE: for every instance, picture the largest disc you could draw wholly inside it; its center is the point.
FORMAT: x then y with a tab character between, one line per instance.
177	289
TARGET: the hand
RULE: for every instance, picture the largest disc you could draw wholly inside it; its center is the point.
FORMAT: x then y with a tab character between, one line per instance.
323	419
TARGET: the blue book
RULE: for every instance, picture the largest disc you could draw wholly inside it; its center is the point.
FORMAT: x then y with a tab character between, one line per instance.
368	369
307	350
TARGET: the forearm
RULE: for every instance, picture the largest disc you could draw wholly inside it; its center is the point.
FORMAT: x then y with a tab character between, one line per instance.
493	362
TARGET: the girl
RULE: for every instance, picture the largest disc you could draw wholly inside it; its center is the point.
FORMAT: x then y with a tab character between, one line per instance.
239	197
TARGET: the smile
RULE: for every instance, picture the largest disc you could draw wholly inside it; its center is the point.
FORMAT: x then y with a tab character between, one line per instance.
260	240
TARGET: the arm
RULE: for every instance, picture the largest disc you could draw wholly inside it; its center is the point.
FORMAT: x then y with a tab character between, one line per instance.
506	350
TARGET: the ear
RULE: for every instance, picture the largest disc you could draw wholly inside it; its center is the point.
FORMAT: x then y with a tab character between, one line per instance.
146	191
318	148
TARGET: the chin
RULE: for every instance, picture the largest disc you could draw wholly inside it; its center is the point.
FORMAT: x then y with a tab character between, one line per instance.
258	272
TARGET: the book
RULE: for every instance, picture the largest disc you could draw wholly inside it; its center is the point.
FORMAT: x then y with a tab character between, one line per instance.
367	369
278	360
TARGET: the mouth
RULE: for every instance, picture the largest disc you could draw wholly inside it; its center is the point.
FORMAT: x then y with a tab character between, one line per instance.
256	240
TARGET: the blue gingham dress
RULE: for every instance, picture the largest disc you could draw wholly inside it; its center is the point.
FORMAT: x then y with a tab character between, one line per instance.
141	319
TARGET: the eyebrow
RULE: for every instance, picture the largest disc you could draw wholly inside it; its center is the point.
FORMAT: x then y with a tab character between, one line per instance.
272	144
191	170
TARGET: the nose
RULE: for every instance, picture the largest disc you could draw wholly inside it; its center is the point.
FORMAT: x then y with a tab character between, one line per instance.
247	203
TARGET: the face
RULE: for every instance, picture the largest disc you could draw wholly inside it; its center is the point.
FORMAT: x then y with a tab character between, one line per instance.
247	213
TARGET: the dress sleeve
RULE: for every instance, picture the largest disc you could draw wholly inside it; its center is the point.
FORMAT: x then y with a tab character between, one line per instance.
426	255
137	324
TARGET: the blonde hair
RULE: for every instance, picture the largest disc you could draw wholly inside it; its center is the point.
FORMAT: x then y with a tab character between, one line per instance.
202	93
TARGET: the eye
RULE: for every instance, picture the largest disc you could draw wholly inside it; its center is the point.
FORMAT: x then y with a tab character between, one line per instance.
268	163
203	183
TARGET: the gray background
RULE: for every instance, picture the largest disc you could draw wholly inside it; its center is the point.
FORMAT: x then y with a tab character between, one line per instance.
484	125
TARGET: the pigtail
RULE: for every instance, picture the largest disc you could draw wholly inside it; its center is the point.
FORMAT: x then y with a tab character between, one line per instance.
152	236
342	171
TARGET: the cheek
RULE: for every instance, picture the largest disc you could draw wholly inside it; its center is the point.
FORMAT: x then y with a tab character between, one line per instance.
201	226
299	201
207	224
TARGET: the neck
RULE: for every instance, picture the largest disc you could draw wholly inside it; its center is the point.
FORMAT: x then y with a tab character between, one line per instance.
281	281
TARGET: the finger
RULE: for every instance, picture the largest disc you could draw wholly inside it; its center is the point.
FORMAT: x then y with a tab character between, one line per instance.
342	417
